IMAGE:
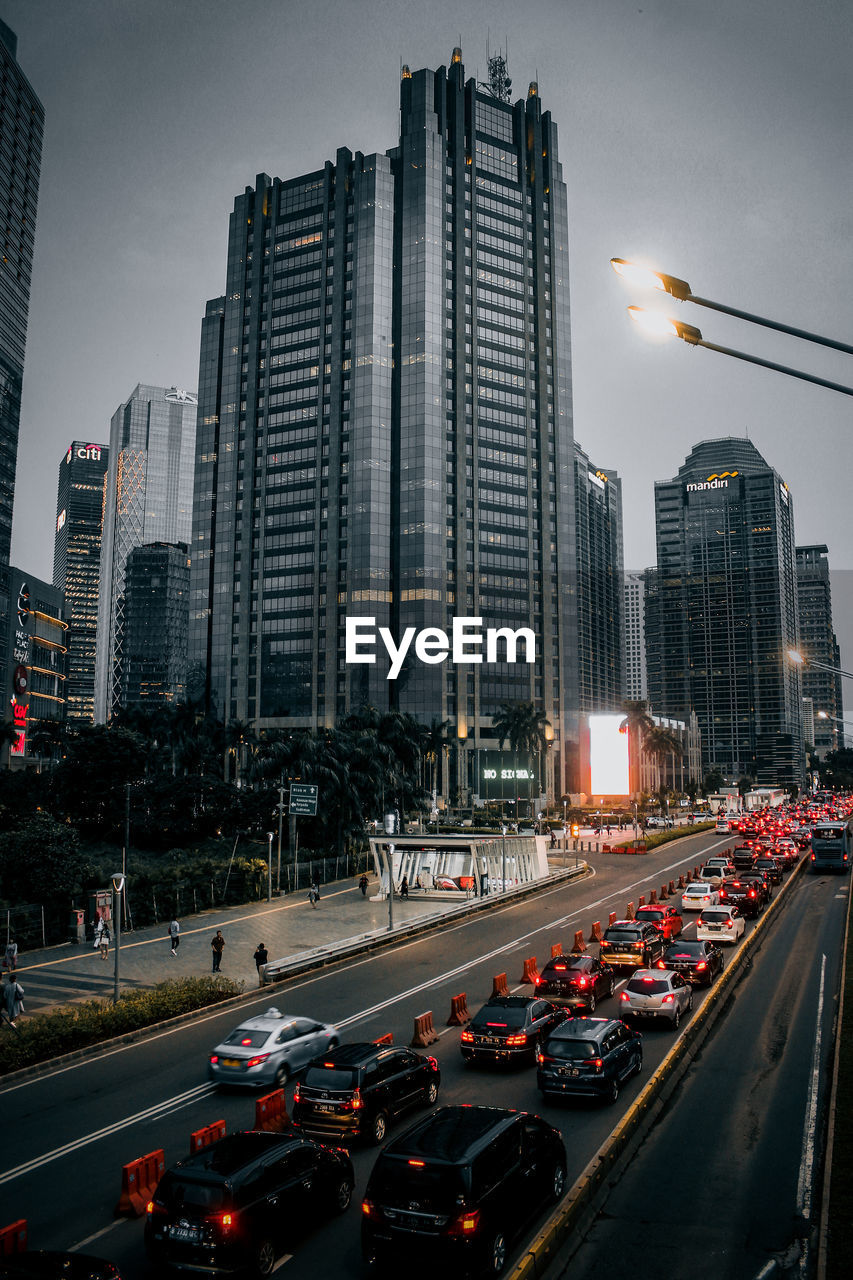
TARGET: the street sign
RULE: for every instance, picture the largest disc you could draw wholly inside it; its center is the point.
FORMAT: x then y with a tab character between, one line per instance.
303	799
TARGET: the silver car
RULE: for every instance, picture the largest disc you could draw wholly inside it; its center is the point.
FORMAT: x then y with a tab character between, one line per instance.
268	1049
656	993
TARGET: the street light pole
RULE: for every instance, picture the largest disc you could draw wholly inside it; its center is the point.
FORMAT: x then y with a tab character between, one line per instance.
800	660
280	821
269	865
118	880
503	857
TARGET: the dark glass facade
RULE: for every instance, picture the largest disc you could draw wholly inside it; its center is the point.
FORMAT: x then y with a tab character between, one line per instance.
818	642
33	697
721	611
21	131
385	425
77	566
157	593
598	522
148	498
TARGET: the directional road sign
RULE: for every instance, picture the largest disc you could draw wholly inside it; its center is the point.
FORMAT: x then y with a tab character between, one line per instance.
303	799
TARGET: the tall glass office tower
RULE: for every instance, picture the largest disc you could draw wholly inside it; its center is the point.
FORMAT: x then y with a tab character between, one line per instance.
721	611
21	131
148	498
818	642
598	523
385	425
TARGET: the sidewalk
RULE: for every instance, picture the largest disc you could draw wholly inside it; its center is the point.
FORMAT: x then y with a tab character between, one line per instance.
288	925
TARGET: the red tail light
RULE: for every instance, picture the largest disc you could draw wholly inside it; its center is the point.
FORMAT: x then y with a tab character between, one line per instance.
584	982
256	1062
433	1062
367	1208
625	996
516	1040
597	1064
730	924
661	964
153	1206
357	1101
467	1037
540	1058
700	966
296	1094
667	1000
467	1224
213	1059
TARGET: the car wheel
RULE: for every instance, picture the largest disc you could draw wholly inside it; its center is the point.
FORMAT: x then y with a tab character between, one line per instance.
676	1021
264	1258
497	1254
430	1094
557	1182
343	1193
639	1063
612	1094
282	1075
690	1003
612	985
379	1128
590	1004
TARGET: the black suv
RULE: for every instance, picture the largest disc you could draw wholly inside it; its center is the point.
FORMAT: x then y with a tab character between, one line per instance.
578	980
508	1029
590	1057
772	867
746	895
453	1189
631	944
698	962
744	858
355	1089
232	1207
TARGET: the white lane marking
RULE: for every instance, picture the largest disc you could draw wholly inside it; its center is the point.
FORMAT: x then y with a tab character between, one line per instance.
318	977
804	1182
285	1257
166	1107
767	1270
96	1235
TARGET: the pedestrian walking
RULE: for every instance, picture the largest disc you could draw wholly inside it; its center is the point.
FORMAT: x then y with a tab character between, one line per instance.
362	884
13	997
261	957
217	946
314	894
102	938
174	936
404	887
10	956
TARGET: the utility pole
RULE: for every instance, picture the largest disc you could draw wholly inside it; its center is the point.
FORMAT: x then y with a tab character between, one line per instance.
124	853
280	823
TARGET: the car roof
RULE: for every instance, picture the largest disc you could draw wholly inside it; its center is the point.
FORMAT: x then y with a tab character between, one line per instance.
354	1055
508	1002
235	1151
583	1028
581	961
451	1134
624	924
270	1020
652	973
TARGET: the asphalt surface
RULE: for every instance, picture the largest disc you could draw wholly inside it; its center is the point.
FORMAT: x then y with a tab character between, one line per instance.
725	1178
67	1135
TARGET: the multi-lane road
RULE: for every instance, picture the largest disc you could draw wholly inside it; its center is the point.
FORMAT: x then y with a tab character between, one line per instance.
67	1134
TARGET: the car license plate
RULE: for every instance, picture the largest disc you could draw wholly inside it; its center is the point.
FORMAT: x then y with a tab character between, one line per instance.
232	1062
324	1107
188	1234
713	928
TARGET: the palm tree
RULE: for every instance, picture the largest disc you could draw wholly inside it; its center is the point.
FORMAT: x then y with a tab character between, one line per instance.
520	724
238	735
434	744
659	742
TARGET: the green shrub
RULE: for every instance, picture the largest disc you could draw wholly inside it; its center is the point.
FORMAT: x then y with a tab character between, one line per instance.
653	839
48	1035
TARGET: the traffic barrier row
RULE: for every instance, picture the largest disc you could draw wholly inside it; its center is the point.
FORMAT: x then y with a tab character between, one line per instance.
13	1239
459	1014
556	950
206	1136
595	934
580	945
530	973
138	1183
271	1112
500	986
425	1032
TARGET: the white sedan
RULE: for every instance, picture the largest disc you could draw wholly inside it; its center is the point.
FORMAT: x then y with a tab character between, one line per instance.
720	924
699	895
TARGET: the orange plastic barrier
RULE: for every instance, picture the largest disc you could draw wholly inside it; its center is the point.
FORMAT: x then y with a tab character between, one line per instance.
425	1032
386	1039
132	1200
153	1168
556	950
13	1239
663	895
611	919
653	897
459	1014
580	945
681	882
206	1136
671	889
271	1112
500	986
529	973
642	900
605	848
629	914
595	935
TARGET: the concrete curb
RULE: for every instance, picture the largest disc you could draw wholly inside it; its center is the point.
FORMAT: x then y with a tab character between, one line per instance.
823	1233
591	1189
305	963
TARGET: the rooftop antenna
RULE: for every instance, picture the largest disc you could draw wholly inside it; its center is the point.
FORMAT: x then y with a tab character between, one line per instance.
498	84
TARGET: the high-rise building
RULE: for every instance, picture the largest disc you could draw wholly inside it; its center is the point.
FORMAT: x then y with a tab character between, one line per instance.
33	677
148	498
818	644
634	615
721	611
598	539
385	426
157	595
21	130
77	567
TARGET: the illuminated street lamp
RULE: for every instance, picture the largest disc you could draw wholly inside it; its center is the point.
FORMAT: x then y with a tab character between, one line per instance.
118	881
646	278
659	325
800	660
824	715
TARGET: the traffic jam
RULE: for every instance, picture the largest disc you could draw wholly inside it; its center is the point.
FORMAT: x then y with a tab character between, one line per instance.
457	1185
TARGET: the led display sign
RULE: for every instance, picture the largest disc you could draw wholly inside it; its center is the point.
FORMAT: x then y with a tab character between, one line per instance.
608	756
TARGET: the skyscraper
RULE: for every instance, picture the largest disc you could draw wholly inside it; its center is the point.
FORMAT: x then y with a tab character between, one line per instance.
148	498
385	425
818	642
33	678
21	130
721	611
157	591
598	524
77	567
634	615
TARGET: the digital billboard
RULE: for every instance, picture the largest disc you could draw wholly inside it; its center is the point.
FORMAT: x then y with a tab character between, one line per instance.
608	756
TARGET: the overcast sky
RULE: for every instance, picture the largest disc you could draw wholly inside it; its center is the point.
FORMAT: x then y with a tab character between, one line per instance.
709	139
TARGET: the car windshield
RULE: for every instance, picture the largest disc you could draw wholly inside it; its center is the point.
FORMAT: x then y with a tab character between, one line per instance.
416	1185
178	1193
570	1049
698	888
714	916
336	1078
650	915
488	1018
648	986
685	950
248	1039
827	833
621	935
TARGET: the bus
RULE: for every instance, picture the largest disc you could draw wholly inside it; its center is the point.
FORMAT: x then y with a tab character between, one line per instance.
832	846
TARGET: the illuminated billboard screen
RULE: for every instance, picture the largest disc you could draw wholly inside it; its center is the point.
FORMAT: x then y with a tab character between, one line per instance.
608	756
502	775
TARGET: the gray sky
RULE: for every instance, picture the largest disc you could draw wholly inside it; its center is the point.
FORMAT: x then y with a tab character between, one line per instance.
709	139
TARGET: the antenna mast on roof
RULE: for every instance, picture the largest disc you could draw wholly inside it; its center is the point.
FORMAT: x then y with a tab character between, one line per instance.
498	84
